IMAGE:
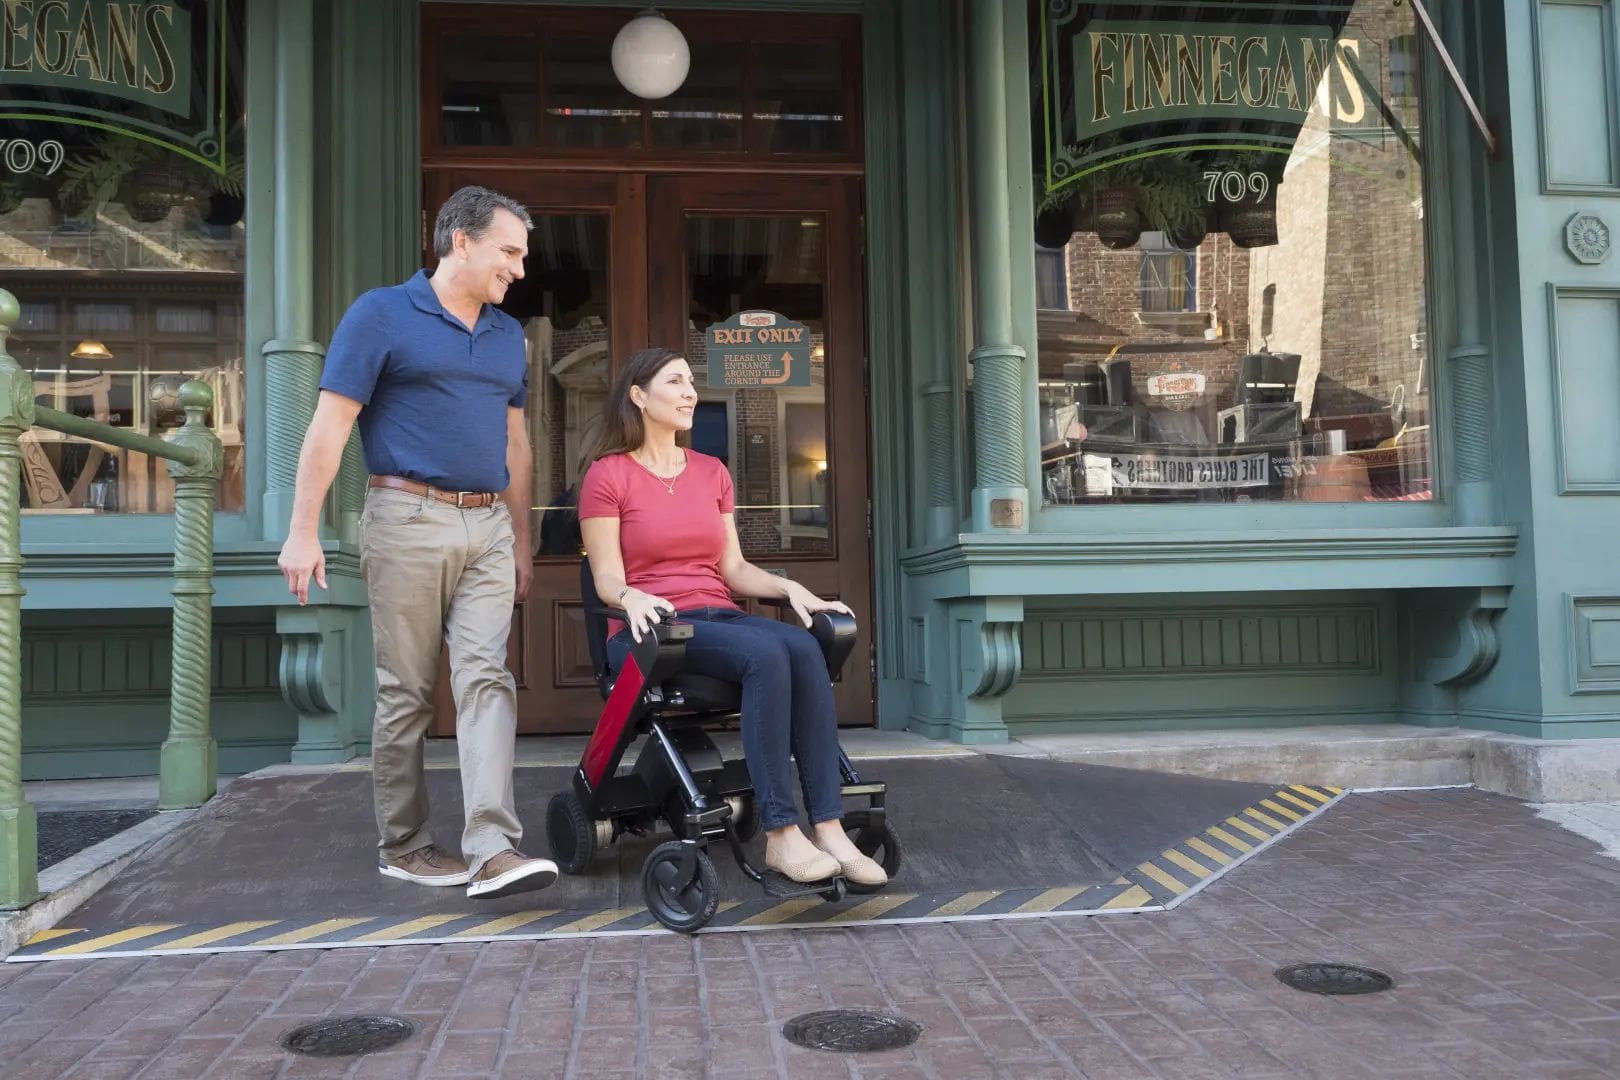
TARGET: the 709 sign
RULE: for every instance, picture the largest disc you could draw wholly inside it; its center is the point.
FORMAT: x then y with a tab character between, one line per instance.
1235	186
23	155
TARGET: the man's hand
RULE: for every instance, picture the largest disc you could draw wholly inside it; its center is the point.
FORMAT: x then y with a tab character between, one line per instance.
302	559
525	575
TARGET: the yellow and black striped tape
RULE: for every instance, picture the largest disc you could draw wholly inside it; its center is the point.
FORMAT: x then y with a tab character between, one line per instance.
1154	885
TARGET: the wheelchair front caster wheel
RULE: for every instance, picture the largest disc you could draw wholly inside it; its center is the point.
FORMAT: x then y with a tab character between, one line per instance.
836	892
881	845
571	832
681	886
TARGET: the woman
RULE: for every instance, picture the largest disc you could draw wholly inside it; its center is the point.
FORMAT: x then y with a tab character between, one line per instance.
658	522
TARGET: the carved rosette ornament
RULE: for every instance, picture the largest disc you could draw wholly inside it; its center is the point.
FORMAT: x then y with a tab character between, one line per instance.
1587	237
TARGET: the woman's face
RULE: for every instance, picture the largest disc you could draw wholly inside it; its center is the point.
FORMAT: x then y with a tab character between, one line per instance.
669	399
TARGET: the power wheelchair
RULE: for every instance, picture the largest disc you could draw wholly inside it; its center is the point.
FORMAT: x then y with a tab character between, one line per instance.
679	777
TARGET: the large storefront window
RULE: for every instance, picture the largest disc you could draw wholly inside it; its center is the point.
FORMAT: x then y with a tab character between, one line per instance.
121	233
1236	194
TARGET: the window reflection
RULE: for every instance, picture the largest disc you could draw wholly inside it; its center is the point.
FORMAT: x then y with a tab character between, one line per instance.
774	439
1244	254
488	94
124	243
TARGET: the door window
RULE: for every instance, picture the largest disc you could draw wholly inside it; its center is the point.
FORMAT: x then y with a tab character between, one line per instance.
780	466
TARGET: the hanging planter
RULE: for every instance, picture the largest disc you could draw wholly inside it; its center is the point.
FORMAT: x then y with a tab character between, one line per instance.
74	203
156	188
1187	235
223	209
1172	200
1055	225
1118	222
1253	225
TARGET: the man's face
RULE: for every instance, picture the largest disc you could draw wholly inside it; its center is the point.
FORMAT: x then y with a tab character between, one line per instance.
494	260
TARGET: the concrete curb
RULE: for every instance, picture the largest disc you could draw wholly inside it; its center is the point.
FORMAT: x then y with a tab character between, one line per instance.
76	879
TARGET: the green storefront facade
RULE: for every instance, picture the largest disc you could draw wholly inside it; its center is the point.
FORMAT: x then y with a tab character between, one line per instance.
1441	559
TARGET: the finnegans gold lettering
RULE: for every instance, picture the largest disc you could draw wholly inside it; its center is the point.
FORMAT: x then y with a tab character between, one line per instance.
1139	72
123	44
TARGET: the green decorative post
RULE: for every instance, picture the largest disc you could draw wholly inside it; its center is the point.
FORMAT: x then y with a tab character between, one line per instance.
19	834
189	766
1000	489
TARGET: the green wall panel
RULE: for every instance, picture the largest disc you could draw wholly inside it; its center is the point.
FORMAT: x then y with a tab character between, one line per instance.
1585	342
77	737
1575	67
96	698
1152	642
65	663
1139	664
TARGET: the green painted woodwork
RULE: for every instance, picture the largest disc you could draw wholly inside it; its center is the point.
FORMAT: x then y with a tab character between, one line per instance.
1488	604
96	700
292	358
190	761
1000	491
19	846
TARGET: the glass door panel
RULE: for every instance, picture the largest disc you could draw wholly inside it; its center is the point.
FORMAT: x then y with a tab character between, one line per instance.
563	303
773	440
722	245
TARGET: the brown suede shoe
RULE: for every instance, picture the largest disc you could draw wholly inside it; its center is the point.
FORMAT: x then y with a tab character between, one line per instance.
429	865
508	873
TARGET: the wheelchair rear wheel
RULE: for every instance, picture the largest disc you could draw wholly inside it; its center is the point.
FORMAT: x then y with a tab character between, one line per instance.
571	832
681	887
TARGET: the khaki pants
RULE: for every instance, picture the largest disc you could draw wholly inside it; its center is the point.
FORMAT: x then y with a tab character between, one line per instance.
439	576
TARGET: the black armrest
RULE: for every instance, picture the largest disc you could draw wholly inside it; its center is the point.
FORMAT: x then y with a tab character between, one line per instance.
606	611
834	631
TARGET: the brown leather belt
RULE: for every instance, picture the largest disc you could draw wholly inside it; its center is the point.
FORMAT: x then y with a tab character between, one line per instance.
466	500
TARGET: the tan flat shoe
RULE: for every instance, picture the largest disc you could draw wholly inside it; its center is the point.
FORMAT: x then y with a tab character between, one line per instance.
862	870
817	867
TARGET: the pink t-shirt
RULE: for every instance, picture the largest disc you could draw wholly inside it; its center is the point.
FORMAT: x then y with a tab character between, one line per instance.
671	544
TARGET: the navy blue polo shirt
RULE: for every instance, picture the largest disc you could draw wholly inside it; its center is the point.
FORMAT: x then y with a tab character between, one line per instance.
435	394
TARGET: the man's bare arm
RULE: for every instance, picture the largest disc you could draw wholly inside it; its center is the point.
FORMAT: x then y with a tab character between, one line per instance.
318	463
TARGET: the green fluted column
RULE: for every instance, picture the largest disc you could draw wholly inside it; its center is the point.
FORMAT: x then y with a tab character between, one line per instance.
292	358
1000	494
189	766
19	833
1472	409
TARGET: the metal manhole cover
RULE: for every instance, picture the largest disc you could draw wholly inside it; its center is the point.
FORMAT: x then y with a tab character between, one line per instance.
348	1036
850	1031
1334	979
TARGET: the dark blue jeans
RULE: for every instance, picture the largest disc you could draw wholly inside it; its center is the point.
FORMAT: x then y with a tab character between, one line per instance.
787	706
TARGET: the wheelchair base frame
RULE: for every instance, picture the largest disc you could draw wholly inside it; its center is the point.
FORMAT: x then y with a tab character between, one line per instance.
679	775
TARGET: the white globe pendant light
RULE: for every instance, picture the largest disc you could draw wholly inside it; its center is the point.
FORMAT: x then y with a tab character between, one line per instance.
650	56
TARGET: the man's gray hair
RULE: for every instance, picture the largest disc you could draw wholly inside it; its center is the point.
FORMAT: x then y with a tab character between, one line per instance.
471	210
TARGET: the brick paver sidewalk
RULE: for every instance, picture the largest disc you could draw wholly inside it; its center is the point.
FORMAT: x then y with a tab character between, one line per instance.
1502	930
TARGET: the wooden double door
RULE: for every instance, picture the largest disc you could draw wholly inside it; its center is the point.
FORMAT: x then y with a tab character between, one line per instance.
621	261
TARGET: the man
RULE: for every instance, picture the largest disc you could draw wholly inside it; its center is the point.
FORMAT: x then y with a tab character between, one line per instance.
437	377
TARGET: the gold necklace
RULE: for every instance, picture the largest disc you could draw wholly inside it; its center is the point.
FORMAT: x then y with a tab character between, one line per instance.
669	482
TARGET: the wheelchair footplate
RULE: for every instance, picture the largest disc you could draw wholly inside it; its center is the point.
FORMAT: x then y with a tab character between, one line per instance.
778	886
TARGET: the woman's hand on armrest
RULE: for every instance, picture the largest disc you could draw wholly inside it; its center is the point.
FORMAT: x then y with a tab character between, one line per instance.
806	603
644	609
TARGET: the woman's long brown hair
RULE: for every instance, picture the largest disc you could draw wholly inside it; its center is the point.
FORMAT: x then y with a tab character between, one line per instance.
622	429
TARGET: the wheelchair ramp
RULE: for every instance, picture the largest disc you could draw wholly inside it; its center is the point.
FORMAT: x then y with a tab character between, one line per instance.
287	860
